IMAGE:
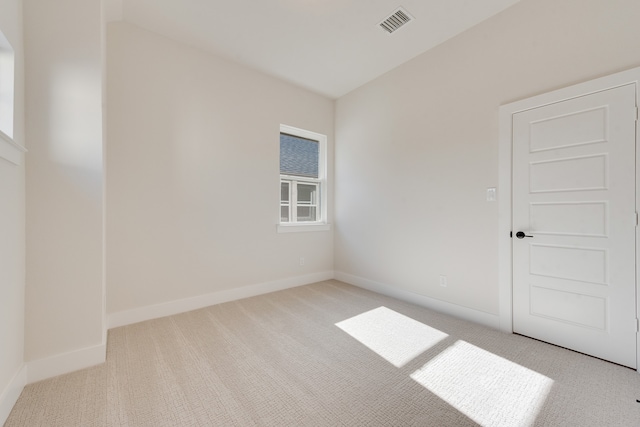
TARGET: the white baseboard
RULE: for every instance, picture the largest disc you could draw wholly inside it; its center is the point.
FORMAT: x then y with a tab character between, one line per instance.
10	394
128	317
477	316
64	363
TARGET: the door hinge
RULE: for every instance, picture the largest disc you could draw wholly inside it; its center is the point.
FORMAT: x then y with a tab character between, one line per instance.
637	325
636	219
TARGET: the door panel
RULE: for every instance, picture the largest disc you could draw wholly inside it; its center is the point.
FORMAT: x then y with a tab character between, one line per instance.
578	264
574	193
570	307
570	218
580	173
590	126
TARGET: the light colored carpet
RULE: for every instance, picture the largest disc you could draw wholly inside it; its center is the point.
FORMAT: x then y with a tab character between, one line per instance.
330	354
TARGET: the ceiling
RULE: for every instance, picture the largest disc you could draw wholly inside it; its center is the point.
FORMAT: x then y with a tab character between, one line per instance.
328	46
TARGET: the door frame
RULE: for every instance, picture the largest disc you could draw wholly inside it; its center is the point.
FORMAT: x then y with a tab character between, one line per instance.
505	163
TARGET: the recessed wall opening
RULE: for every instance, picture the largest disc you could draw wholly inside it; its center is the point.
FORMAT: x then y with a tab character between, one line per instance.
7	61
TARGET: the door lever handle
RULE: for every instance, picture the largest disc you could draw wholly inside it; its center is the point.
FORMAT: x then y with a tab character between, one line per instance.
521	235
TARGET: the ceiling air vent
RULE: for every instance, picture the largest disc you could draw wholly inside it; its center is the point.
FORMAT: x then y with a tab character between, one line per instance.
396	20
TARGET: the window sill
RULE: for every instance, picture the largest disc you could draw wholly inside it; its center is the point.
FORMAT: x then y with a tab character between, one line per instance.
301	227
11	150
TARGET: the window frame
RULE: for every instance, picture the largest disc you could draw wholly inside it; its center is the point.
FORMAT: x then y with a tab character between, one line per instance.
10	149
292	204
321	224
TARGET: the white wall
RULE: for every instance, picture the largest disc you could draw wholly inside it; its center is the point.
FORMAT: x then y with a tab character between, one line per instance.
192	173
64	298
12	250
417	148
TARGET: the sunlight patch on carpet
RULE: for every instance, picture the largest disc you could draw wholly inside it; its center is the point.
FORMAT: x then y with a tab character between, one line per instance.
394	336
487	388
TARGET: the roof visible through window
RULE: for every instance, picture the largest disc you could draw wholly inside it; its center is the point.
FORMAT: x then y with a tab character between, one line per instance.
298	156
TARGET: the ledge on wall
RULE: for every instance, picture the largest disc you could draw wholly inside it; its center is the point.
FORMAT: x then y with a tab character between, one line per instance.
59	364
11	150
64	363
466	313
127	317
11	393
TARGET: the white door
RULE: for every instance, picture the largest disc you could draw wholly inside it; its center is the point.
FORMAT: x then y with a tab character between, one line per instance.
574	195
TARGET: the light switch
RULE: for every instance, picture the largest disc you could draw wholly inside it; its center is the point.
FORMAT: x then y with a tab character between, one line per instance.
491	194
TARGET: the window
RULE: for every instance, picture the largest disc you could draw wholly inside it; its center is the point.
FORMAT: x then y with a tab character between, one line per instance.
6	86
303	200
9	149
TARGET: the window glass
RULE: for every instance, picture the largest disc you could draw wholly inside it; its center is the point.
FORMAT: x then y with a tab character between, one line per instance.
306	213
285	197
284	213
6	86
298	156
284	192
307	194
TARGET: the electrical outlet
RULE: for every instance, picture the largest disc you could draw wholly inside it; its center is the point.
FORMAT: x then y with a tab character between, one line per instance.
301	260
491	194
443	281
